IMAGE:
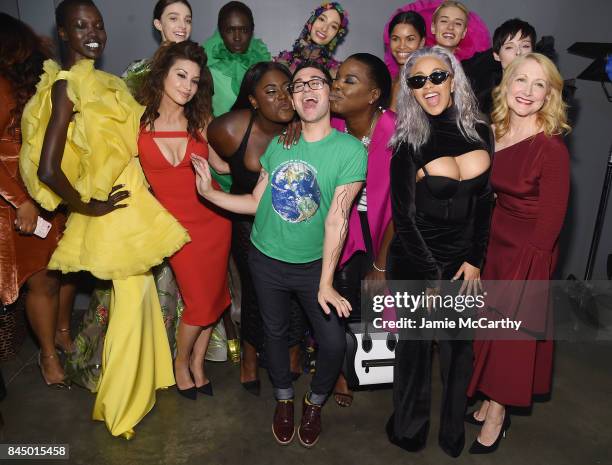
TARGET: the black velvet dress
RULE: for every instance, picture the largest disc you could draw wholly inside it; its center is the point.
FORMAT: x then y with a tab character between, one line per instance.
440	223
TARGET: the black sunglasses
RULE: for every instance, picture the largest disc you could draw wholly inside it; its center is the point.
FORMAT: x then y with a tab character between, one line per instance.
436	78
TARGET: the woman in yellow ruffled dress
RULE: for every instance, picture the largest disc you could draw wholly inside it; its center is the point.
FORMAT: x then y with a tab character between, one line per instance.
80	142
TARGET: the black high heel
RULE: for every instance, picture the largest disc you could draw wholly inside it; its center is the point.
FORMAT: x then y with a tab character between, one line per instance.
189	393
206	389
478	448
471	419
253	387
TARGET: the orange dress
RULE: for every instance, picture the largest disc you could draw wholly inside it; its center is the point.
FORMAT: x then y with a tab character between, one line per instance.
20	256
200	266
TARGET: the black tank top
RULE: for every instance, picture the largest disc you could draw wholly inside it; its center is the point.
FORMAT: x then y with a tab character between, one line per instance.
243	179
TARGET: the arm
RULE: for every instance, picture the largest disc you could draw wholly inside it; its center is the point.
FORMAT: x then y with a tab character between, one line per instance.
380	261
336	226
483	208
50	169
218	164
403	186
243	204
14	194
10	189
554	193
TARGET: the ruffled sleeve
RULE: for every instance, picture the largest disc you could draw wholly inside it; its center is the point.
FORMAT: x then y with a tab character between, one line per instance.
101	139
34	120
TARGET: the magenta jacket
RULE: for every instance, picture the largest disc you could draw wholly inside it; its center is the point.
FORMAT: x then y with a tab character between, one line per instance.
377	182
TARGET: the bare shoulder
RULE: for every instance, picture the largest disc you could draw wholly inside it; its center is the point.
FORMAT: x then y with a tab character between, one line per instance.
225	132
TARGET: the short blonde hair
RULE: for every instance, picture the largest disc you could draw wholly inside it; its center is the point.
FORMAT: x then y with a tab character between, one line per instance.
551	118
448	3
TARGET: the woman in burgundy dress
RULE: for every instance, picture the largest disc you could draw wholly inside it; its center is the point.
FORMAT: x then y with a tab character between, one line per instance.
530	176
177	93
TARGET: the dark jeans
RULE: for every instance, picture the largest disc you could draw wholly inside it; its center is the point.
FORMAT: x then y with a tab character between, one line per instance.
275	281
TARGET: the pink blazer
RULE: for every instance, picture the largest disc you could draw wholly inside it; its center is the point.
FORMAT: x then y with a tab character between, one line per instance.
377	182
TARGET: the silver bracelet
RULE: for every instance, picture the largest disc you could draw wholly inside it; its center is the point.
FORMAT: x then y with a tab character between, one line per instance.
378	269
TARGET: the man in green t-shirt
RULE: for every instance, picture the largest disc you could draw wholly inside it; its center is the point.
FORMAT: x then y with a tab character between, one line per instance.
301	205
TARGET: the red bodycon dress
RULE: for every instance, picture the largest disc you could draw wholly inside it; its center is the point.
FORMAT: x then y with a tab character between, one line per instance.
200	266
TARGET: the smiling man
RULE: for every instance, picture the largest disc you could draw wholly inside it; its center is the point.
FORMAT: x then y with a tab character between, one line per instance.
301	205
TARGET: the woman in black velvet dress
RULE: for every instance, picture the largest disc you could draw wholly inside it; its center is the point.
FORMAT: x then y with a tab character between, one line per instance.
441	202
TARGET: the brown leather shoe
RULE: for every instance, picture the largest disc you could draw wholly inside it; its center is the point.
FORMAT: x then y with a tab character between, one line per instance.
283	425
310	426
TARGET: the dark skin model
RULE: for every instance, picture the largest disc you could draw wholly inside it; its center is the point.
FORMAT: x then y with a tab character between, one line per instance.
236	31
84	37
354	97
273	112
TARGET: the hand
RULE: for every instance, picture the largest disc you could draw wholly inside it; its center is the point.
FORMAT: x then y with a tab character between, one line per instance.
328	295
203	176
103	207
291	134
27	217
471	279
374	282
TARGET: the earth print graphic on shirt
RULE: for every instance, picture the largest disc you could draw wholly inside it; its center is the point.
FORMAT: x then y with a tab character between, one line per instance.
295	191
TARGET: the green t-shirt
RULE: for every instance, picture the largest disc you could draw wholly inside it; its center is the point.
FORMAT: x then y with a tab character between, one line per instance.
290	219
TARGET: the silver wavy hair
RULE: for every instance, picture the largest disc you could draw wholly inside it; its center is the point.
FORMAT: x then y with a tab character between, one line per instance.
412	124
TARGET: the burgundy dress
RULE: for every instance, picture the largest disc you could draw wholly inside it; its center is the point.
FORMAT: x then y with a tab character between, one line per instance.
200	266
531	179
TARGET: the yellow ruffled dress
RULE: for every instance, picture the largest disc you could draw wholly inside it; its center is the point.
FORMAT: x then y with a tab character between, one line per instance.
100	152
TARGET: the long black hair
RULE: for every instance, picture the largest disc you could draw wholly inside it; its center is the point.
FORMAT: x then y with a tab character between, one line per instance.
412	18
251	79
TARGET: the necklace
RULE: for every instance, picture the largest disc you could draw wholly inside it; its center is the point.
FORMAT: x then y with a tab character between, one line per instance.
367	139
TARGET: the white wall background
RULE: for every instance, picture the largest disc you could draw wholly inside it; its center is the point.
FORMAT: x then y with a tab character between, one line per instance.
278	22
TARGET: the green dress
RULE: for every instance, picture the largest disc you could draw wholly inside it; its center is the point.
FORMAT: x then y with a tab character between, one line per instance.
227	70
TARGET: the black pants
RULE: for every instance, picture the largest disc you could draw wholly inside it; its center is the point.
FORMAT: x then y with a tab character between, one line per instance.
251	325
409	425
275	281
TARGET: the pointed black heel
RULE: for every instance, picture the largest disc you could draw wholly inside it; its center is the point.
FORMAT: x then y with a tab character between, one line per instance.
253	387
478	448
206	389
189	393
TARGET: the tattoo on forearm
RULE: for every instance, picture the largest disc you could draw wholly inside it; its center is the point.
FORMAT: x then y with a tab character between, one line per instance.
344	204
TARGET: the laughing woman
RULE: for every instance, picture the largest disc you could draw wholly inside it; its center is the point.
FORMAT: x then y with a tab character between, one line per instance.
80	131
441	204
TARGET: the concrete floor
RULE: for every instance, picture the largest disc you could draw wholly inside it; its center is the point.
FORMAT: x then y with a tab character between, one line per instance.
233	427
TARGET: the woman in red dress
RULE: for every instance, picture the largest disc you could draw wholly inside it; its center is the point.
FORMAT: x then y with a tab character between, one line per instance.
530	176
177	93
